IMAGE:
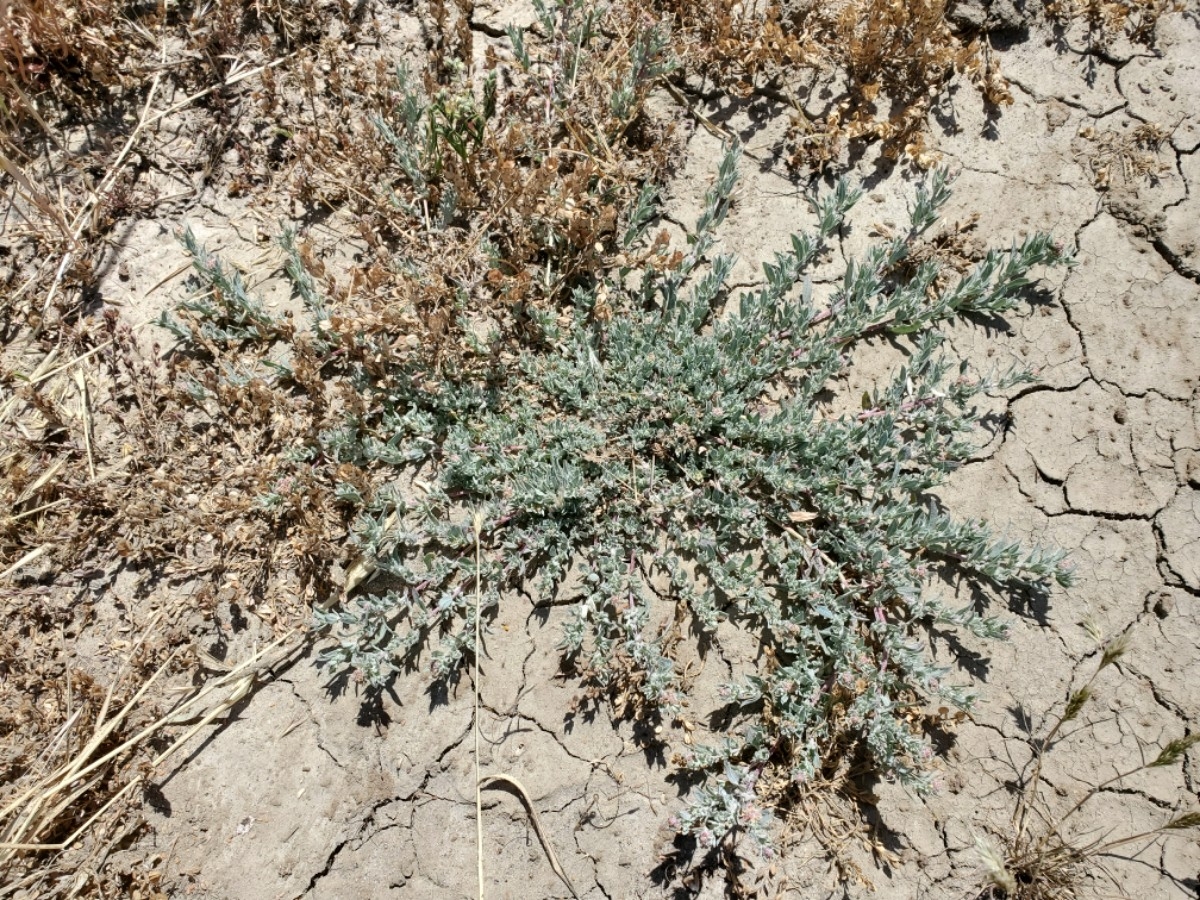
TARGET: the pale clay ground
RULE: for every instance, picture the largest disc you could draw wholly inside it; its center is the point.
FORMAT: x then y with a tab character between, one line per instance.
295	798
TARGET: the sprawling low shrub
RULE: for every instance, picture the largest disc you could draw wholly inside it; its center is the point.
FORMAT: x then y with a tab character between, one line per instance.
663	461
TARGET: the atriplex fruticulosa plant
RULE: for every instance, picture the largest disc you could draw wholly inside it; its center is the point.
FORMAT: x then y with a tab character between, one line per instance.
660	461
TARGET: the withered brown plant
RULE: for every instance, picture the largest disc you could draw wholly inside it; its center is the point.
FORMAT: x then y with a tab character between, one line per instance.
882	63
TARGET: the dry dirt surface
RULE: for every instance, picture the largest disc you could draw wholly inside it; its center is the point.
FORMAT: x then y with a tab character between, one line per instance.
311	788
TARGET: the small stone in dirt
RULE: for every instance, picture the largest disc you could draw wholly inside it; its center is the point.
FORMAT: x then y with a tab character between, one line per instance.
992	15
1193	469
1164	605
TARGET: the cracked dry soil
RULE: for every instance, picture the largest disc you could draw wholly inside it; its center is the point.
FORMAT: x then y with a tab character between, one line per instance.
308	794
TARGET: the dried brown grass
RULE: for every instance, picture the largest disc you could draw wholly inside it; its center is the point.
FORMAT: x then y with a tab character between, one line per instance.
1128	157
65	811
545	189
1106	21
101	468
885	63
78	50
110	462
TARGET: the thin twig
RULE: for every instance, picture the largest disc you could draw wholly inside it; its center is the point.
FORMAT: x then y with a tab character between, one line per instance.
503	777
478	523
79	774
83	357
85	409
537	825
24	561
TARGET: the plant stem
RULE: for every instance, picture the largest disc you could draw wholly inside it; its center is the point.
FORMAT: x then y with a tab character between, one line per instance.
478	523
1022	805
